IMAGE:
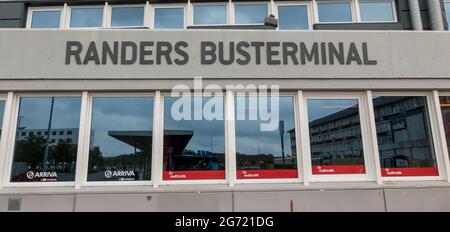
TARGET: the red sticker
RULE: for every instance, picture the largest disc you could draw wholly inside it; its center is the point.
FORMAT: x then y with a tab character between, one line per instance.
193	175
338	169
409	172
267	174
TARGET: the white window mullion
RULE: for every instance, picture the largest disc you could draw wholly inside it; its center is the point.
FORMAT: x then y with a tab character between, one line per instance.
441	138
147	17
106	16
5	137
10	139
83	141
157	142
304	138
230	14
357	16
230	139
375	155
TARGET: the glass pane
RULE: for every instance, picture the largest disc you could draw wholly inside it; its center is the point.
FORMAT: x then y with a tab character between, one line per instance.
169	18
293	17
2	108
210	14
250	13
121	139
127	16
46	19
86	17
404	136
335	12
194	143
447	11
46	139
376	11
335	136
265	151
445	108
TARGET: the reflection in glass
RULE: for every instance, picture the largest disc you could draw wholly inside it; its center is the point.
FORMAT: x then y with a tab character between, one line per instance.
194	143
334	12
293	17
250	13
169	18
86	17
376	11
127	16
445	108
46	19
210	14
46	139
404	136
121	139
335	136
2	108
265	153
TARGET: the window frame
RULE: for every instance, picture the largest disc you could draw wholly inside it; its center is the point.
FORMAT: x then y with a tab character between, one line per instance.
9	157
227	12
295	3
109	15
365	136
104	17
87	136
169	6
31	10
300	167
393	6
233	10
434	128
160	146
353	11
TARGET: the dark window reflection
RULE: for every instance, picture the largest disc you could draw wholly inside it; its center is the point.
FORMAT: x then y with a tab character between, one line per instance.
2	108
404	136
335	136
263	153
445	108
194	146
37	156
121	139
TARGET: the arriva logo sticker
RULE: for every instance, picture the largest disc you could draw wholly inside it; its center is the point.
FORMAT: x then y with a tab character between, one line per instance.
33	175
110	174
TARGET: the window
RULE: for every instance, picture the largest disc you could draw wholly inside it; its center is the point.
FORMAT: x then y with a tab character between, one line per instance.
336	142
35	158
445	109
127	16
86	17
293	17
265	148
45	18
250	13
121	139
194	142
169	18
2	108
210	14
404	136
61	133
376	11
447	11
334	12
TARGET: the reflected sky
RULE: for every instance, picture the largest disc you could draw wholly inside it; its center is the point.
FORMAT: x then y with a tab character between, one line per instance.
210	14
376	11
319	108
293	17
86	17
34	112
250	13
447	10
2	108
251	140
335	12
119	114
207	135
46	19
127	16
169	18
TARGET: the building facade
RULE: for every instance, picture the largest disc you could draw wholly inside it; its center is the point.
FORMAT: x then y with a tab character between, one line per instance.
193	105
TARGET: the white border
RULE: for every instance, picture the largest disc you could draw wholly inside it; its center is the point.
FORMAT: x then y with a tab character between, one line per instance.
309	10
31	10
152	16
359	96
110	10
227	13
268	8
69	16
